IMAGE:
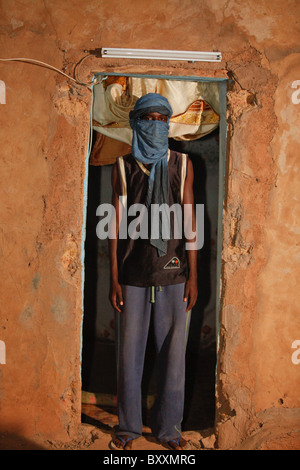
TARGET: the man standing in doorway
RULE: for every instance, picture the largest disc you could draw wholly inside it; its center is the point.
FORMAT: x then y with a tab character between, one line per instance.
155	276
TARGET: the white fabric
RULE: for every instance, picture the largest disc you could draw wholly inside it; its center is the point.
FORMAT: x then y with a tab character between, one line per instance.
112	104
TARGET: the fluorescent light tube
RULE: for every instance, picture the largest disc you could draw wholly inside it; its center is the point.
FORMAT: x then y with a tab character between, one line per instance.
193	56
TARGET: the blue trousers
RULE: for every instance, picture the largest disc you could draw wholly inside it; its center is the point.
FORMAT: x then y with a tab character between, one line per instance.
170	325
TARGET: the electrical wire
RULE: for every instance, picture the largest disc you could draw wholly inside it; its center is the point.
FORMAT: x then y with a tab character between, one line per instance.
76	74
79	82
44	64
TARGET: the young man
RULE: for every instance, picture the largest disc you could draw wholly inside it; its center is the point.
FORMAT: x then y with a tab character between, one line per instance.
152	276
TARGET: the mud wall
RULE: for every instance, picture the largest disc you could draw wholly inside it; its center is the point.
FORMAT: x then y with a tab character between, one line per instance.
44	138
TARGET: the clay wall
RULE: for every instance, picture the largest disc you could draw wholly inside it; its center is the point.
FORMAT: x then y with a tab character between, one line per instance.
44	138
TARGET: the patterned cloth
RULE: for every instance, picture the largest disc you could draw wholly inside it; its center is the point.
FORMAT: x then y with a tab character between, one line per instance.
195	112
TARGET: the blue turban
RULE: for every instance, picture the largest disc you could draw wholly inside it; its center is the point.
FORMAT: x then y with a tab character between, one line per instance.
150	146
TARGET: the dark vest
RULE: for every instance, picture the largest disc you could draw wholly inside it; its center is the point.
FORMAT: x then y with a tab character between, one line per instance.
138	261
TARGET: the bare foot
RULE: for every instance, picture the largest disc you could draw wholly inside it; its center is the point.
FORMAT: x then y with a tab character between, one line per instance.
122	443
178	444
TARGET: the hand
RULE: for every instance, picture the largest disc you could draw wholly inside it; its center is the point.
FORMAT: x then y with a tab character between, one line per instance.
191	293
116	296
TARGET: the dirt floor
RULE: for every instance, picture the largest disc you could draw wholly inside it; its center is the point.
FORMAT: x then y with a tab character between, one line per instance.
100	421
96	434
98	429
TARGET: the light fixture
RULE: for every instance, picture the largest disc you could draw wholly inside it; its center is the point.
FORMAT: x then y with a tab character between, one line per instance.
192	56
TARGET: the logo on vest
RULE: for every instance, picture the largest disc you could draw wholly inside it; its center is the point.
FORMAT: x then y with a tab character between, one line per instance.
173	263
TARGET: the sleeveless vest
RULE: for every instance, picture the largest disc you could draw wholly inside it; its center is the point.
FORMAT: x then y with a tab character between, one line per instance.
138	261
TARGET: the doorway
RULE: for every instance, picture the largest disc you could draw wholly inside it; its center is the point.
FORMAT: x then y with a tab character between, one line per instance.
98	353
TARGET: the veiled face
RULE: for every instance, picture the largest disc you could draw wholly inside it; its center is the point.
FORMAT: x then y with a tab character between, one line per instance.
154	117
